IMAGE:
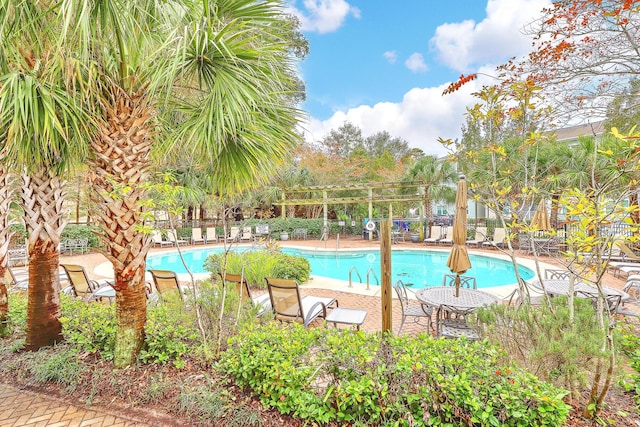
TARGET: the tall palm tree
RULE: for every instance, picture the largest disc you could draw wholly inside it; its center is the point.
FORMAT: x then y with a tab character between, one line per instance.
6	191
439	177
219	74
41	128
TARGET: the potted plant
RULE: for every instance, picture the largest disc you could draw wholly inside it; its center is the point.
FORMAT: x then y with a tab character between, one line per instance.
284	235
414	230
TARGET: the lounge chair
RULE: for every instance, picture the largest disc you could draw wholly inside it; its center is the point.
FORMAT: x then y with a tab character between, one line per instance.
465	281
480	237
172	236
628	253
262	231
262	302
447	236
499	239
435	234
158	239
246	235
234	234
85	288
211	235
166	283
411	308
289	306
196	236
18	279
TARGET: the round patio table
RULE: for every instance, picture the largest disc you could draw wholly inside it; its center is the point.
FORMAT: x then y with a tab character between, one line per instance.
561	287
467	298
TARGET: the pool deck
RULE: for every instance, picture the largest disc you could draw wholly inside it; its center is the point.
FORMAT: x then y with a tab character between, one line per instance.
357	295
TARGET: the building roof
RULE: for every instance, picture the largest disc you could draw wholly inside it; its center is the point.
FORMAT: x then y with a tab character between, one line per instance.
573	132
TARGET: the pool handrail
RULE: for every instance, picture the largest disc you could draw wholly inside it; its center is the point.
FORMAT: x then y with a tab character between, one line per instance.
351	270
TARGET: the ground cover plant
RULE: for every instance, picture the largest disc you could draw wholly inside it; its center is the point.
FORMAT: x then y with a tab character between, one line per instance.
337	378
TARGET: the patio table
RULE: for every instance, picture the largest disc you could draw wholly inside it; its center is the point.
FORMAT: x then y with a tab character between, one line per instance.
561	287
466	299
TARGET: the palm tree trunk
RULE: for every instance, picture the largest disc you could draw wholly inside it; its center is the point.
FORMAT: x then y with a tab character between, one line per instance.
5	238
120	169
42	200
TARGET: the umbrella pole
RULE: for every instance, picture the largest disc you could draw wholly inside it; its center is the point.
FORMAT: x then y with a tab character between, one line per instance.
457	284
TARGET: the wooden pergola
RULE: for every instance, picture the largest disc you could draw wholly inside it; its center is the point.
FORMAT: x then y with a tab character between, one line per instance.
371	194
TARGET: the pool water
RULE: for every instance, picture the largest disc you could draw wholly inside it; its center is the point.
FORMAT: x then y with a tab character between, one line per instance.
418	268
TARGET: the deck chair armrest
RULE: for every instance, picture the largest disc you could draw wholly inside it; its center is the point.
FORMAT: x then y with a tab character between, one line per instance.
310	315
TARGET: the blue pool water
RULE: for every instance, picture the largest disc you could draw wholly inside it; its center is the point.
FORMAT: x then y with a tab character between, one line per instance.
421	268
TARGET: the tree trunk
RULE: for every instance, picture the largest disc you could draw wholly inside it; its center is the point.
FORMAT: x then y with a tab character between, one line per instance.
633	203
120	168
5	239
42	200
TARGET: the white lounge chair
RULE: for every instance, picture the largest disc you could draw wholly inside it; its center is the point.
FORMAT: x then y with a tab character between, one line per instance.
211	235
158	239
172	236
246	235
435	234
234	234
196	236
499	239
480	237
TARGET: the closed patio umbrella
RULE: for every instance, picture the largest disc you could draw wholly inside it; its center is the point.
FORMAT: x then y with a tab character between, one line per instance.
540	219
458	261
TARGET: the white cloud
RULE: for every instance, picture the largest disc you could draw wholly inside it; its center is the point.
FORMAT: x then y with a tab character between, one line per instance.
323	16
462	45
391	56
416	63
421	118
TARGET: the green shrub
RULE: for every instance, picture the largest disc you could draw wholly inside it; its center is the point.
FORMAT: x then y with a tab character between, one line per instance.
328	375
170	334
90	328
630	347
78	231
260	264
16	320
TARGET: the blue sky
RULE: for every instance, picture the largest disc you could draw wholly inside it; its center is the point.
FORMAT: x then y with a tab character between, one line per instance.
382	65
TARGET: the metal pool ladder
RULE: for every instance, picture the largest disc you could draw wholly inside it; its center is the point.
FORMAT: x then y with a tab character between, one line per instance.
351	270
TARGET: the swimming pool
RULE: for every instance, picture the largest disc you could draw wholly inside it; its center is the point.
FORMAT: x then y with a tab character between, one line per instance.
420	268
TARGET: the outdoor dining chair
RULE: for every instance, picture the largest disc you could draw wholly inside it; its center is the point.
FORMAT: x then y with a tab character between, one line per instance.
289	306
262	302
452	322
465	281
411	308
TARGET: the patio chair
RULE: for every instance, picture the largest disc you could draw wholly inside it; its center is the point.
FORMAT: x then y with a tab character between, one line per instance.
17	279
289	306
632	287
411	308
435	234
234	234
196	236
166	284
158	239
499	239
85	288
211	235
452	323
480	237
172	236
447	236
465	281
262	302
17	256
246	234
628	253
552	274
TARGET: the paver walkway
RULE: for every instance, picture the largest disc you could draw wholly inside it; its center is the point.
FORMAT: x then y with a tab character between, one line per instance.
25	408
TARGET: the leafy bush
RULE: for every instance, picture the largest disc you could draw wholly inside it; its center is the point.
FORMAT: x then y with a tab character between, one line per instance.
170	333
90	328
630	347
329	375
260	264
16	320
77	231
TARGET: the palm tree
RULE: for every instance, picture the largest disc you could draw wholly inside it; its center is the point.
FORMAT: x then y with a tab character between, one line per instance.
6	191
439	179
41	128
219	74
